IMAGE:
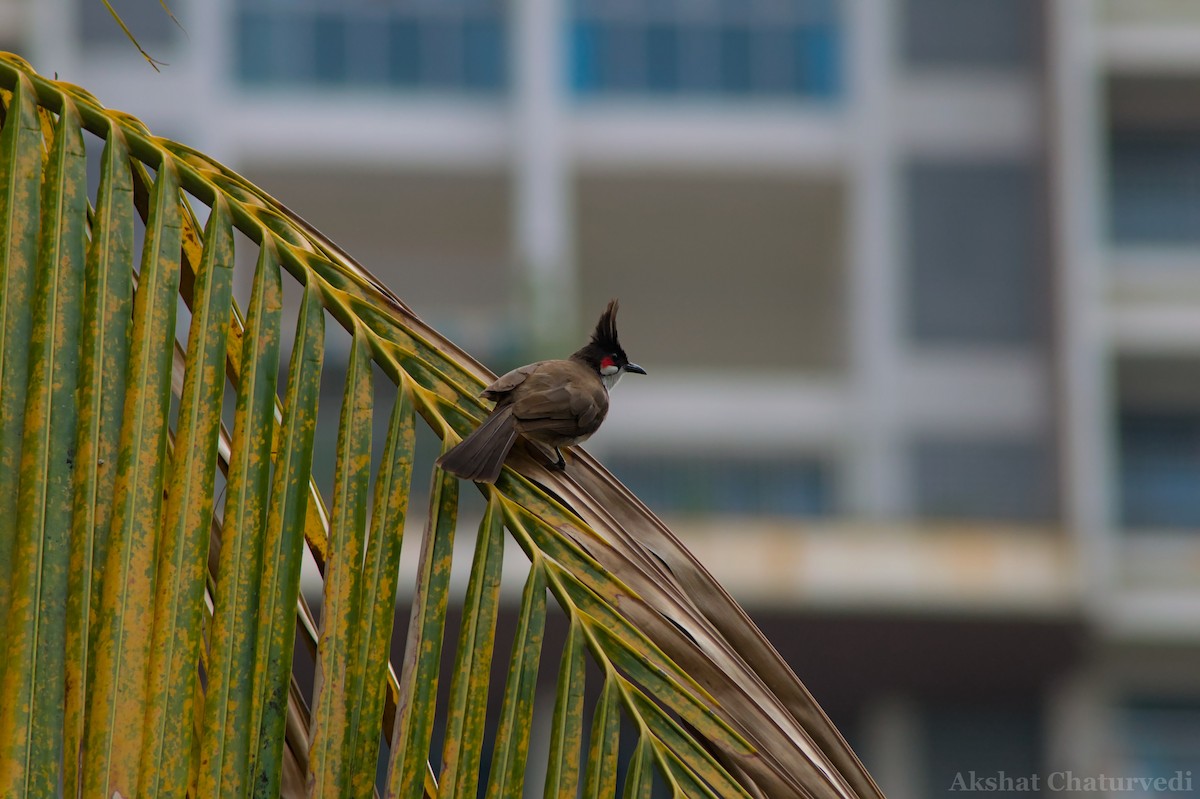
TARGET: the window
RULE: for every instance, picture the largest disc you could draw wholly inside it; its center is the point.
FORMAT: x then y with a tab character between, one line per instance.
1155	187
147	20
983	740
395	44
736	48
976	33
976	253
987	741
1159	741
727	484
989	479
1159	469
645	234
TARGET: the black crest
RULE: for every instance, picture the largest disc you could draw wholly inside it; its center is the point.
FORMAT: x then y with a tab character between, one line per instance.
604	340
605	334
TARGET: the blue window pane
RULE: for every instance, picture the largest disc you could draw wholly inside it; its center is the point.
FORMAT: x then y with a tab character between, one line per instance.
452	47
404	53
366	48
1155	187
622	58
483	43
776	62
255	64
736	65
824	10
587	45
274	47
662	58
329	51
788	49
1160	470
1159	741
817	66
439	38
700	47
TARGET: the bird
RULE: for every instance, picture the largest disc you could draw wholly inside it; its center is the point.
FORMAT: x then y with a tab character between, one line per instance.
552	404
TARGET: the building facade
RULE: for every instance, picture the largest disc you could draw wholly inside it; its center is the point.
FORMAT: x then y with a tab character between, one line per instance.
917	282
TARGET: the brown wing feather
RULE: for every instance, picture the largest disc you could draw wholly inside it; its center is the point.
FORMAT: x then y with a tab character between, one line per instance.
509	380
565	401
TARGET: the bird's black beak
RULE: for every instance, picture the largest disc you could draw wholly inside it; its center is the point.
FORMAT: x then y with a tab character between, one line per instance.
633	367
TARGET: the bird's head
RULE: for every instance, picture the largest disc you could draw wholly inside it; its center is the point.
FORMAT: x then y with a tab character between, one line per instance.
603	353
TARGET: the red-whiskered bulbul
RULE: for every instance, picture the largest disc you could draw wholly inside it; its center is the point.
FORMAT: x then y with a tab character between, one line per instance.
551	403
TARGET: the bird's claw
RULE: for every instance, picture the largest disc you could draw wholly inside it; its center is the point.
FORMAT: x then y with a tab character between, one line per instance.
559	465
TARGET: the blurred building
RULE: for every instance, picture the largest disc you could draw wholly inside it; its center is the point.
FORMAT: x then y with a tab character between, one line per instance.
917	283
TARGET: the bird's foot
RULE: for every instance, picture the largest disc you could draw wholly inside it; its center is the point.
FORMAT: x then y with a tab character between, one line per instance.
560	464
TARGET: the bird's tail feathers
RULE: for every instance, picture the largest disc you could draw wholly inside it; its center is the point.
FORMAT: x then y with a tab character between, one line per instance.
480	456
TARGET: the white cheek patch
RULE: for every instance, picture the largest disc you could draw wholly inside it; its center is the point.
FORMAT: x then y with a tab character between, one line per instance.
610	370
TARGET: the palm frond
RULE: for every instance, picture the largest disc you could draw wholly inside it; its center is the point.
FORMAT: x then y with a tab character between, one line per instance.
152	557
